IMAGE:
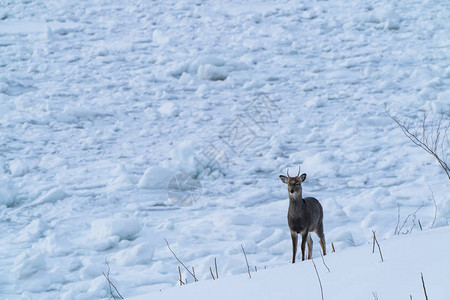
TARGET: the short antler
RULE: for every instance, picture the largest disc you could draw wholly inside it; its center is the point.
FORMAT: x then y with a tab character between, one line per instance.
298	170
287	173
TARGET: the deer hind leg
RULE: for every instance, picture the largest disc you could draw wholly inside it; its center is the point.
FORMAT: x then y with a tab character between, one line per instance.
310	246
294	237
304	238
321	236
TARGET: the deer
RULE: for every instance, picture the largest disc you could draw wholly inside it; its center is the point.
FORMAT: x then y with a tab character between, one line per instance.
305	215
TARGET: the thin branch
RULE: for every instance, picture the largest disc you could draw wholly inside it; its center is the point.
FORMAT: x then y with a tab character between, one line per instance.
168	246
181	279
246	261
215	266
332	247
212	275
379	248
318	277
398	222
410	215
110	283
323	260
435	207
373	243
429	141
424	289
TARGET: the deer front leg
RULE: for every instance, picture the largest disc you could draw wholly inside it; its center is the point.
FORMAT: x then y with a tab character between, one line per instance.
310	246
294	236
304	238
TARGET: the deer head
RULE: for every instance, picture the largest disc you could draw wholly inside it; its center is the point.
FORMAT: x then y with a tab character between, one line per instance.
294	184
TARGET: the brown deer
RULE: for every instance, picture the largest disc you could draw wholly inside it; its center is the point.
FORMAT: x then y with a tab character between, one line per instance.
304	216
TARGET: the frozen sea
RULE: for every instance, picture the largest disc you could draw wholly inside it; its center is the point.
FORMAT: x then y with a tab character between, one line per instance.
124	123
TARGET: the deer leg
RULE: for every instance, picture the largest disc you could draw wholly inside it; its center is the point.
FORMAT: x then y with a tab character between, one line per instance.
304	238
310	246
322	240
294	236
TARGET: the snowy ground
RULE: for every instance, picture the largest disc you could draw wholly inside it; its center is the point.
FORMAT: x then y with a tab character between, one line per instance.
405	260
104	105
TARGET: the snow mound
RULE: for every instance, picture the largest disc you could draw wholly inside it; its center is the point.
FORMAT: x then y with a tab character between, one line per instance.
124	228
155	177
33	231
18	168
138	255
8	192
29	263
210	72
51	196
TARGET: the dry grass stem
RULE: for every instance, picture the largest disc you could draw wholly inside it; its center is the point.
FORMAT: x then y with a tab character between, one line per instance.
246	261
181	280
379	248
111	285
192	274
212	275
323	260
424	289
435	207
215	266
318	277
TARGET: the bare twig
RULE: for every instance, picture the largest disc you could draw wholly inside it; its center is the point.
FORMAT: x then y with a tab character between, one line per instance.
318	277
433	138
407	218
215	266
256	269
323	260
435	207
379	248
424	289
375	296
168	246
398	221
212	275
332	247
246	261
420	224
111	284
181	280
373	243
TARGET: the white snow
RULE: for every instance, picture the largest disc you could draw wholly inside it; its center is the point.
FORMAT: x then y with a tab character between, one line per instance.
352	274
124	228
124	123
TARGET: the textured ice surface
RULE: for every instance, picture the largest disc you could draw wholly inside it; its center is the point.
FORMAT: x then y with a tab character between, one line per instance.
104	105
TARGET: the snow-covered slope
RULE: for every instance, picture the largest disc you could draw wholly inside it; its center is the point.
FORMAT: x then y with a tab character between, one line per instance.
124	123
355	273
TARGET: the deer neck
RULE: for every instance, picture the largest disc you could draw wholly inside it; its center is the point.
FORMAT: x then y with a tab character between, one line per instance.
296	201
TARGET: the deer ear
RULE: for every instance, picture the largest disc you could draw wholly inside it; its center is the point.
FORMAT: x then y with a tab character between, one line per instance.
284	179
303	177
